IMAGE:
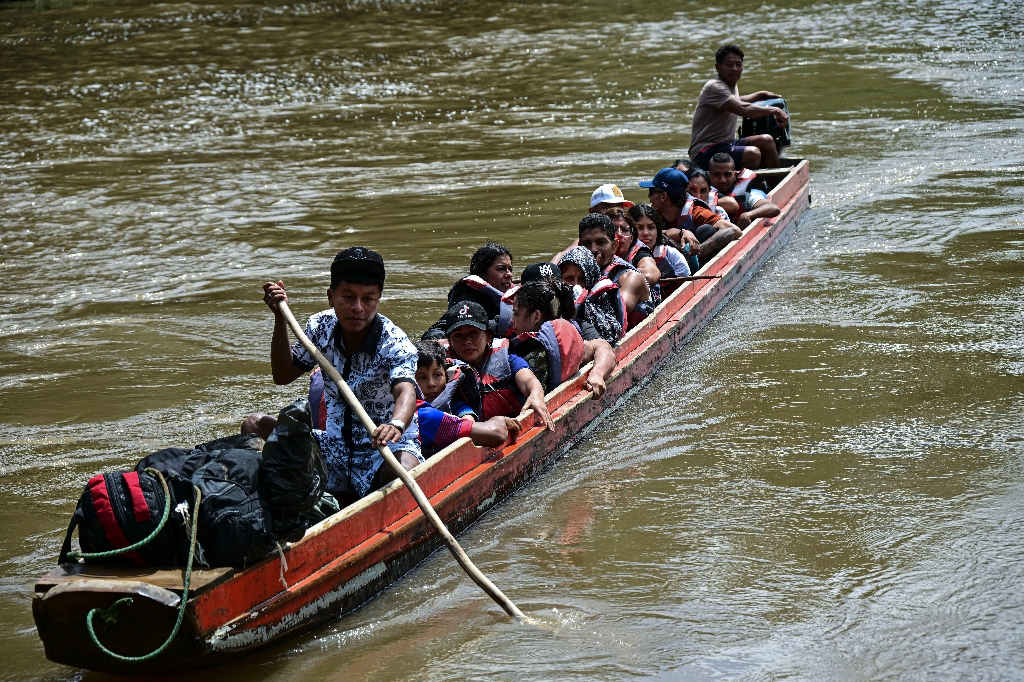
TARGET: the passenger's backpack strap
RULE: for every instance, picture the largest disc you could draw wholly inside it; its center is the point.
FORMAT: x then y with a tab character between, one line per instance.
66	547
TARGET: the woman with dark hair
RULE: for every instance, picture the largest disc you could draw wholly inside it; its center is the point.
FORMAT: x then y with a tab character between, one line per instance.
490	276
508	386
650	230
700	187
631	249
552	342
545	335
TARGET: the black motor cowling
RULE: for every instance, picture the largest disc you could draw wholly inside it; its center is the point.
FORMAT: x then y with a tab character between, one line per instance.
767	125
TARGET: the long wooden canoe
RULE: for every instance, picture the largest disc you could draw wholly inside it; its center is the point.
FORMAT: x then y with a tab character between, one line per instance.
350	557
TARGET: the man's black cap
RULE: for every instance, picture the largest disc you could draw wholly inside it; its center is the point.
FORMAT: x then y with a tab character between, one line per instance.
539	271
466	313
359	261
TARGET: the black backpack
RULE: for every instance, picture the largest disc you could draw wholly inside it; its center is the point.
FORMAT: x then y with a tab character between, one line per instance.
249	500
235	525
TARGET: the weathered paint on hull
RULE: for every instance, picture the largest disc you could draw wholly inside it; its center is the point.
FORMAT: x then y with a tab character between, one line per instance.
386	535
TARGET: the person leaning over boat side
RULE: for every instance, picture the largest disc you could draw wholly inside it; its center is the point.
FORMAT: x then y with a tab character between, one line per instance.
439	429
597	298
490	276
507	384
376	359
744	188
544	313
670	262
694	225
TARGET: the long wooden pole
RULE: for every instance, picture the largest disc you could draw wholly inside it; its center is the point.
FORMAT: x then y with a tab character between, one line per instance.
691	278
460	555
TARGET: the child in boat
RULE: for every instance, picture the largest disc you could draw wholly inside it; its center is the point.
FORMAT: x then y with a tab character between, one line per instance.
597	297
490	276
439	428
552	342
507	384
377	360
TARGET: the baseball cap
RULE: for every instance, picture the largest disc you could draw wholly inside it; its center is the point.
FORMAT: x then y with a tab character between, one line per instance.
609	194
671	180
466	313
536	271
357	260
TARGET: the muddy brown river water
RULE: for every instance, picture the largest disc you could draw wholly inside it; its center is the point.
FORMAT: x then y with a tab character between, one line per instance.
827	483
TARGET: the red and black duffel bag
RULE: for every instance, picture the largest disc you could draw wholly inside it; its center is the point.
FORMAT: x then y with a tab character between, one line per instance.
120	509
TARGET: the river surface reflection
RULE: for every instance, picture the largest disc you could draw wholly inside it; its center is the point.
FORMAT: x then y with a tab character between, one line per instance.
825	484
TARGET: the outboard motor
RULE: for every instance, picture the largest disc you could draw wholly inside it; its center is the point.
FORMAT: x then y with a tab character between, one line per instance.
767	125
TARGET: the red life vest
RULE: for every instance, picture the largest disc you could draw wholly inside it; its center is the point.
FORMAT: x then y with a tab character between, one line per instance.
712	201
564	344
641	311
609	290
501	396
661	260
479	284
635	249
743	181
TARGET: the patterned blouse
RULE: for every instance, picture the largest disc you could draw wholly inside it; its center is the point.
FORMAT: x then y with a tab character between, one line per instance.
385	359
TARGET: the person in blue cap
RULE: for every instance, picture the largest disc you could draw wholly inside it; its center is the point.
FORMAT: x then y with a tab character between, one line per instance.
376	359
699	229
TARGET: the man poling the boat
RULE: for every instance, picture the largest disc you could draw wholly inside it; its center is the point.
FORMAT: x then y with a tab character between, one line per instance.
376	358
507	384
490	276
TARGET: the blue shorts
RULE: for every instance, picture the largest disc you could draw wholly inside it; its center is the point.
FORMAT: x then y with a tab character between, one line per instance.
733	149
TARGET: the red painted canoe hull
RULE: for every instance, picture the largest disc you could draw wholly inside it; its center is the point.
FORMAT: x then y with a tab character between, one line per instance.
350	557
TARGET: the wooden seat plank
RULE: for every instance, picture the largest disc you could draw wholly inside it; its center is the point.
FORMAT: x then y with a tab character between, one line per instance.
168	578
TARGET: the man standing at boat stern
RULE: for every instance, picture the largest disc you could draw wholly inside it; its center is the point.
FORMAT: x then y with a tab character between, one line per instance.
376	359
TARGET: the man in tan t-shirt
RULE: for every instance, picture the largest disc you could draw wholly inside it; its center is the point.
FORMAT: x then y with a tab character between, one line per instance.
714	120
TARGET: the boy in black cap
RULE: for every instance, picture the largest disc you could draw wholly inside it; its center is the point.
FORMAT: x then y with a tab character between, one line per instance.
376	359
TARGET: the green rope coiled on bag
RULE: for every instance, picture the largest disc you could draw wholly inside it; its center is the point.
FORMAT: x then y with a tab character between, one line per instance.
109	614
144	541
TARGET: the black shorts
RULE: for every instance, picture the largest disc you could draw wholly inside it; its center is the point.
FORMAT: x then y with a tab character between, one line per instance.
733	149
